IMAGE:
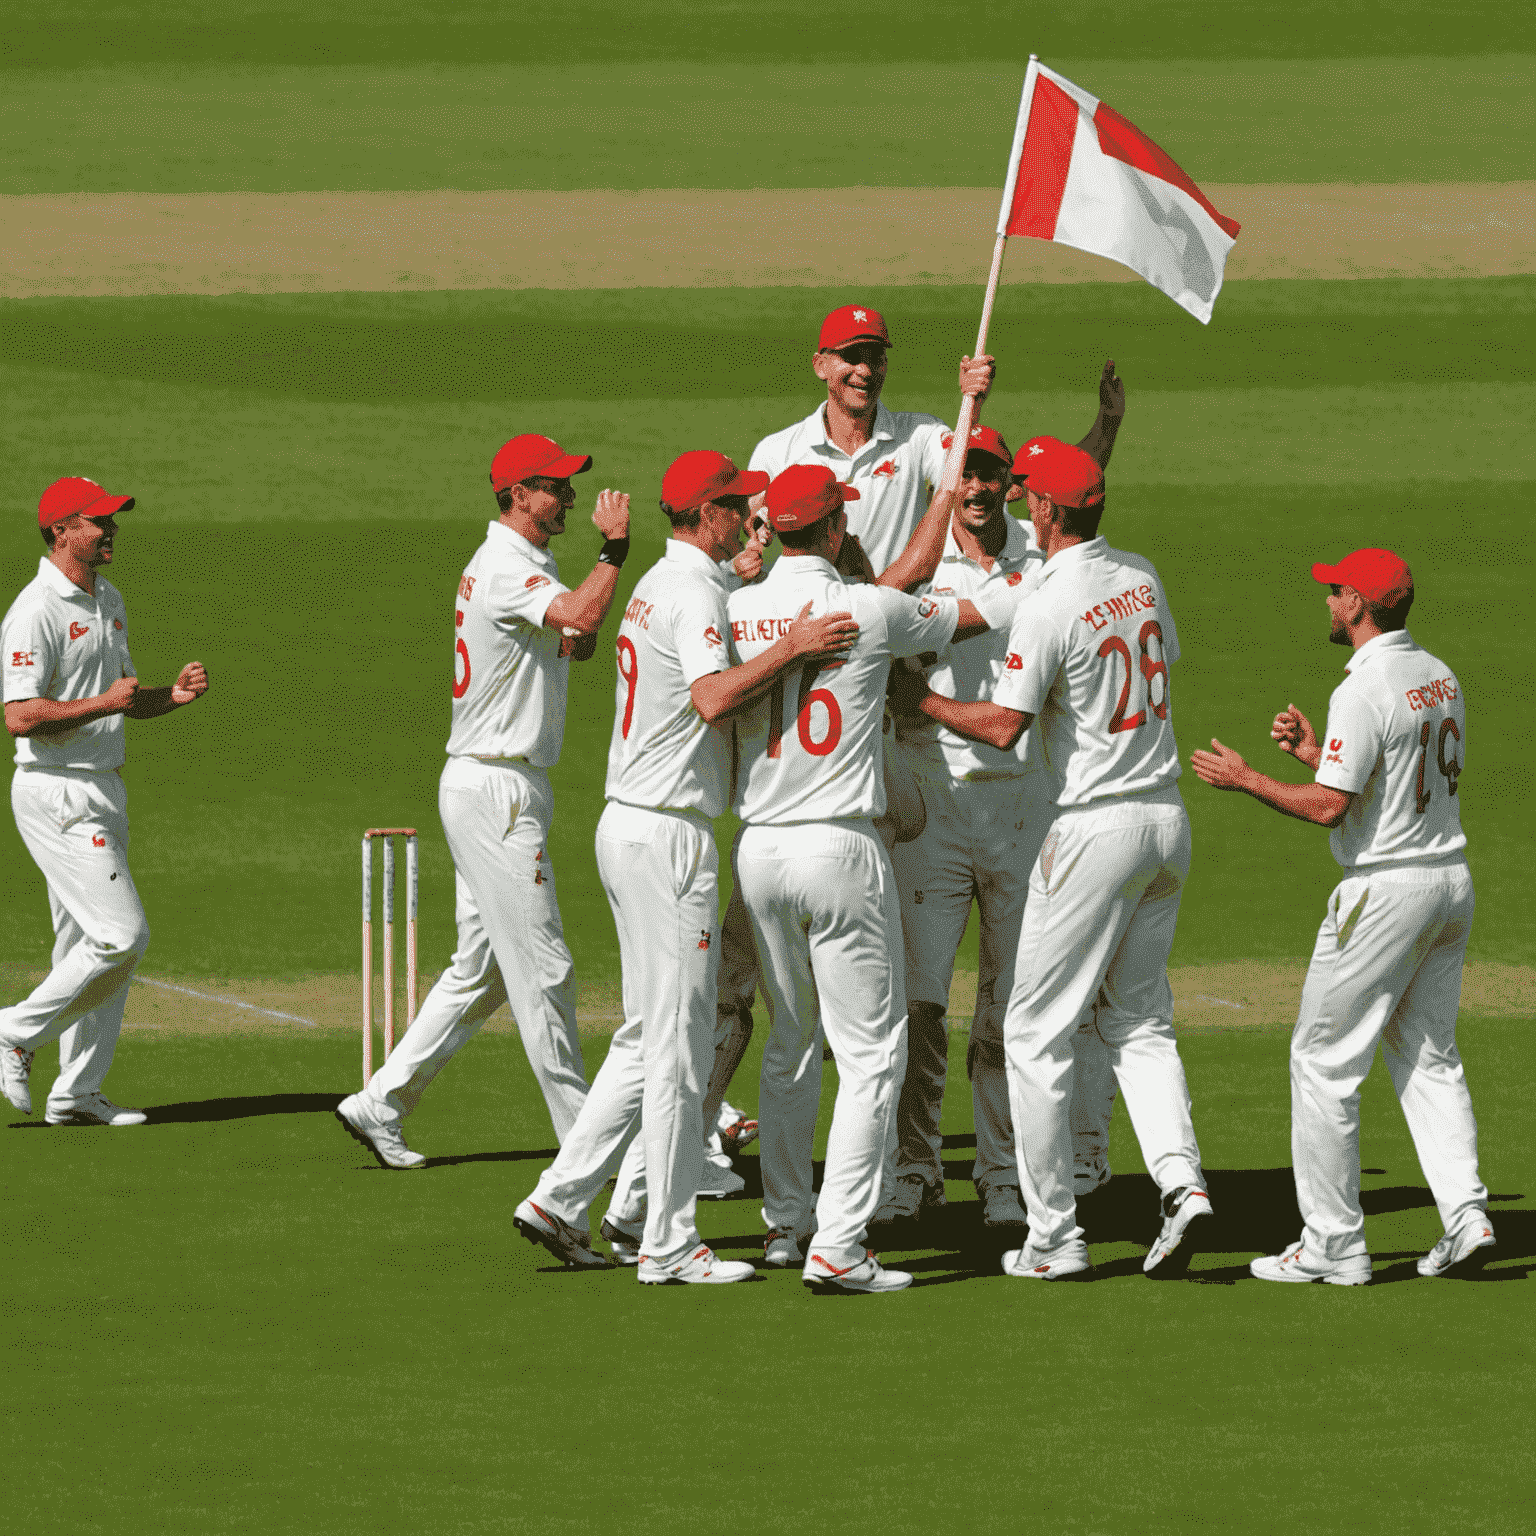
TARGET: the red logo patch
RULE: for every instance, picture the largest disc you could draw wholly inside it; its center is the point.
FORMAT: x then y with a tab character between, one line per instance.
21	658
98	842
76	630
117	623
536	581
1015	662
1014	578
1336	744
704	938
888	469
712	636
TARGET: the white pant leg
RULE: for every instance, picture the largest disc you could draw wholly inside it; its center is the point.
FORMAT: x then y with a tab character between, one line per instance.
75	826
1134	1019
823	901
1378	930
1093	1095
736	988
511	947
661	874
936	884
1420	1049
1007	821
789	1087
1093	869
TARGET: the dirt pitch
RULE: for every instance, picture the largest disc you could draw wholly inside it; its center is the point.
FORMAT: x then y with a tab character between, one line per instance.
323	242
1240	994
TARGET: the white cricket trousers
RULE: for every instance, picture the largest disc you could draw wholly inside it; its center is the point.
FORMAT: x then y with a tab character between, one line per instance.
511	948
1098	927
1386	967
825	915
661	872
75	825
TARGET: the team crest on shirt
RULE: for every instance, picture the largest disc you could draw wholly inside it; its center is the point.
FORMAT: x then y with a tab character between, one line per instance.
713	637
888	469
536	581
77	630
1014	663
1335	751
1014	578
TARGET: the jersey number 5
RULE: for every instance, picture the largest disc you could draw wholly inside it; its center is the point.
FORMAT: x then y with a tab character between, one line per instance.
808	697
1151	669
1450	768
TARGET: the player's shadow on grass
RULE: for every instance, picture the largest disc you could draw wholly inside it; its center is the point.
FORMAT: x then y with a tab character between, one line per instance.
204	1110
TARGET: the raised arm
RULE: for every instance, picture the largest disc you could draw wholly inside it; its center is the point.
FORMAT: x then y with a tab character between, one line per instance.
582	611
1100	441
920	559
821	642
1222	768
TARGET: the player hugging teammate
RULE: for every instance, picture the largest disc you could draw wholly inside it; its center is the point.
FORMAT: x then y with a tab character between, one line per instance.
1027	664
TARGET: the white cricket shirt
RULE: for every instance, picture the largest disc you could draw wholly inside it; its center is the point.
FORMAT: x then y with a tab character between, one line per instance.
1396	741
811	750
1089	654
509	677
892	473
662	756
61	643
970	669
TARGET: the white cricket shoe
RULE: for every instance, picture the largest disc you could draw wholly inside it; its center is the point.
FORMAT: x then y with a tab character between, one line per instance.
569	1244
1067	1261
1002	1206
910	1198
1168	1258
783	1248
701	1267
1467	1252
734	1129
866	1275
95	1109
384	1141
15	1075
1297	1267
717	1183
624	1245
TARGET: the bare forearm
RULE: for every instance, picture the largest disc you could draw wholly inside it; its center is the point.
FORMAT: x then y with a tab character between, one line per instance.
585	609
920	559
979	721
1319	804
723	694
55	717
150	702
1100	441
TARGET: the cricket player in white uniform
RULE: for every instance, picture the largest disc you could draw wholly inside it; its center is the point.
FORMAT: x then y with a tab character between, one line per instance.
69	685
516	628
818	883
1388	960
669	777
1088	654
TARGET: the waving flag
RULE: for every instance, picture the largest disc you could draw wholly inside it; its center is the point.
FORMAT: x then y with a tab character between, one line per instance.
1082	175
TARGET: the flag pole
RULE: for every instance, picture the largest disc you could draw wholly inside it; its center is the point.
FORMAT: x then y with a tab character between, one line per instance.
954	463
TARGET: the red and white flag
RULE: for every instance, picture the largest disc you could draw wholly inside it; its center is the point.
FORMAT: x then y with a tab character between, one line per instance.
1082	175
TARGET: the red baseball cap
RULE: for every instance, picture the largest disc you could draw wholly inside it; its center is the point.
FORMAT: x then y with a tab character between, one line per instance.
804	494
532	454
74	494
984	440
705	475
1378	575
851	323
1050	467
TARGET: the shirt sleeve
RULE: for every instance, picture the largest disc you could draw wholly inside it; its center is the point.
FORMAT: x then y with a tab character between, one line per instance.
699	629
933	450
1353	741
915	624
29	656
1037	647
524	594
766	457
997	602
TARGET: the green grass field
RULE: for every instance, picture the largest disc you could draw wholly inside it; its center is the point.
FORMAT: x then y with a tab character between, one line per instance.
228	1320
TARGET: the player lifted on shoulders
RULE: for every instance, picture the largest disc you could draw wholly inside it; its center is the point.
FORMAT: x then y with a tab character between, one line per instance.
1387	965
1088	654
669	776
516	628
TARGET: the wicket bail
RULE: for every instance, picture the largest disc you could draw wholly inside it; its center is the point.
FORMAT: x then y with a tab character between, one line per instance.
388	834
